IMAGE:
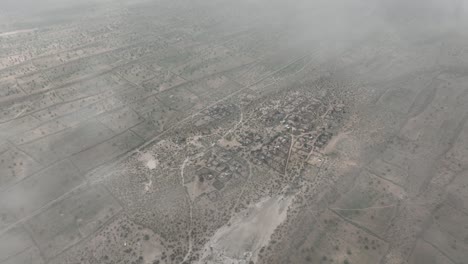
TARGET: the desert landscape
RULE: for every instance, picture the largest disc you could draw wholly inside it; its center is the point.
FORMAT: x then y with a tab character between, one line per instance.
243	132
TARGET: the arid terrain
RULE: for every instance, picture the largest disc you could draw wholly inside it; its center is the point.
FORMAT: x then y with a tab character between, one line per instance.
243	132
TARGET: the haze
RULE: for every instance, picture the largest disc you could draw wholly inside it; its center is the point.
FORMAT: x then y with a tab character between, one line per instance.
243	132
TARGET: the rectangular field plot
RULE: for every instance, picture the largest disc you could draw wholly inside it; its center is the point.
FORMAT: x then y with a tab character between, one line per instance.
15	166
388	171
35	82
18	126
136	73
14	241
213	88
334	240
105	151
210	61
180	99
40	189
458	190
448	233
68	142
163	80
43	130
370	203
425	253
120	119
72	219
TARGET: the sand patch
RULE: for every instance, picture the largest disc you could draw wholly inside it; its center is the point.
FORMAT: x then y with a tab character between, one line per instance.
149	160
248	231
